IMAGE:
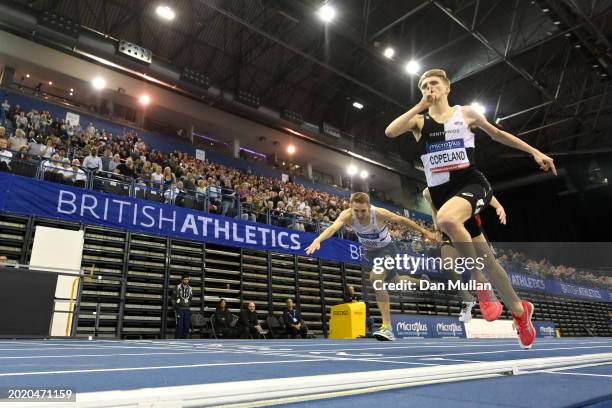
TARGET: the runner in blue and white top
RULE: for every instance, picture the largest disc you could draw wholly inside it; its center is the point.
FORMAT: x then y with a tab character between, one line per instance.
458	189
371	226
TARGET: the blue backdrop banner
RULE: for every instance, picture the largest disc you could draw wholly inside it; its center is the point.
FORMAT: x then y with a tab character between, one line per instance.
28	196
556	287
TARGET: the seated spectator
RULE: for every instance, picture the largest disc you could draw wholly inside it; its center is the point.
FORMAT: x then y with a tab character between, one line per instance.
293	321
201	189
93	162
79	176
350	295
23	154
171	194
248	324
113	164
214	194
168	177
156	176
189	182
107	159
48	150
17	141
21	121
248	210
65	169
180	198
53	165
5	156
126	169
223	320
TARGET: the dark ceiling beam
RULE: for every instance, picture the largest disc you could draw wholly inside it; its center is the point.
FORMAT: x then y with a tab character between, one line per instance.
189	41
600	36
569	18
133	13
398	20
520	51
530	79
278	41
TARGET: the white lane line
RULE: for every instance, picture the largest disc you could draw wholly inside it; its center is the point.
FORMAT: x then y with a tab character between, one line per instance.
514	345
583	374
103	370
175	353
451	359
95	348
516	350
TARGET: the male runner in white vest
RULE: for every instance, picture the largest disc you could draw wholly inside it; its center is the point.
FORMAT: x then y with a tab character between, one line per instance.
370	224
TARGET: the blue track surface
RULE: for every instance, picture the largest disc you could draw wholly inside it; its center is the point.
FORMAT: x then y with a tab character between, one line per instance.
101	365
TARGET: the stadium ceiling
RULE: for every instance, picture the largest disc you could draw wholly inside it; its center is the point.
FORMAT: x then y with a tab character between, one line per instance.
541	68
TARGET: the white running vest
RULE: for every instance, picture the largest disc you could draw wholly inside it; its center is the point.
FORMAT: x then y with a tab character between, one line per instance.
371	236
447	148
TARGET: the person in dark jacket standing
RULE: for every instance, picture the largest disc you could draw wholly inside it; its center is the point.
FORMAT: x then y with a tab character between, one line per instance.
249	322
293	321
181	299
224	321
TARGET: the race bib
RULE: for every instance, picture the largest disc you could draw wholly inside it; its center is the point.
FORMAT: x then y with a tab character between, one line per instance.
449	155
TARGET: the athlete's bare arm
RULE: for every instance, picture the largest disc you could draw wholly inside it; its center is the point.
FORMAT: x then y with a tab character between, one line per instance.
411	120
546	163
501	213
387	216
343	219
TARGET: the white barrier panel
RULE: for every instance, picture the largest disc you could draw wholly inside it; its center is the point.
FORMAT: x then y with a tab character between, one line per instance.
59	249
481	329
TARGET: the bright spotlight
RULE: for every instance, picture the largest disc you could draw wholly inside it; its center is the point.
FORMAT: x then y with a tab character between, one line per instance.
389	52
165	12
291	149
99	83
364	174
50	82
351	170
478	107
27	75
145	99
358	105
327	13
412	67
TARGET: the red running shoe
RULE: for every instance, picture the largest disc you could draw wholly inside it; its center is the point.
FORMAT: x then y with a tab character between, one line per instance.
490	307
526	331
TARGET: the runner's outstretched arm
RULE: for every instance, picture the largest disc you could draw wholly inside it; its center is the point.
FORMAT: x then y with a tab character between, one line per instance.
344	218
546	163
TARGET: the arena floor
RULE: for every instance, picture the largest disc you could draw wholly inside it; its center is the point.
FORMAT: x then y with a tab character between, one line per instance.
426	373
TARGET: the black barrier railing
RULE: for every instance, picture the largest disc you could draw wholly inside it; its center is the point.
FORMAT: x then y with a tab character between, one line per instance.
36	322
